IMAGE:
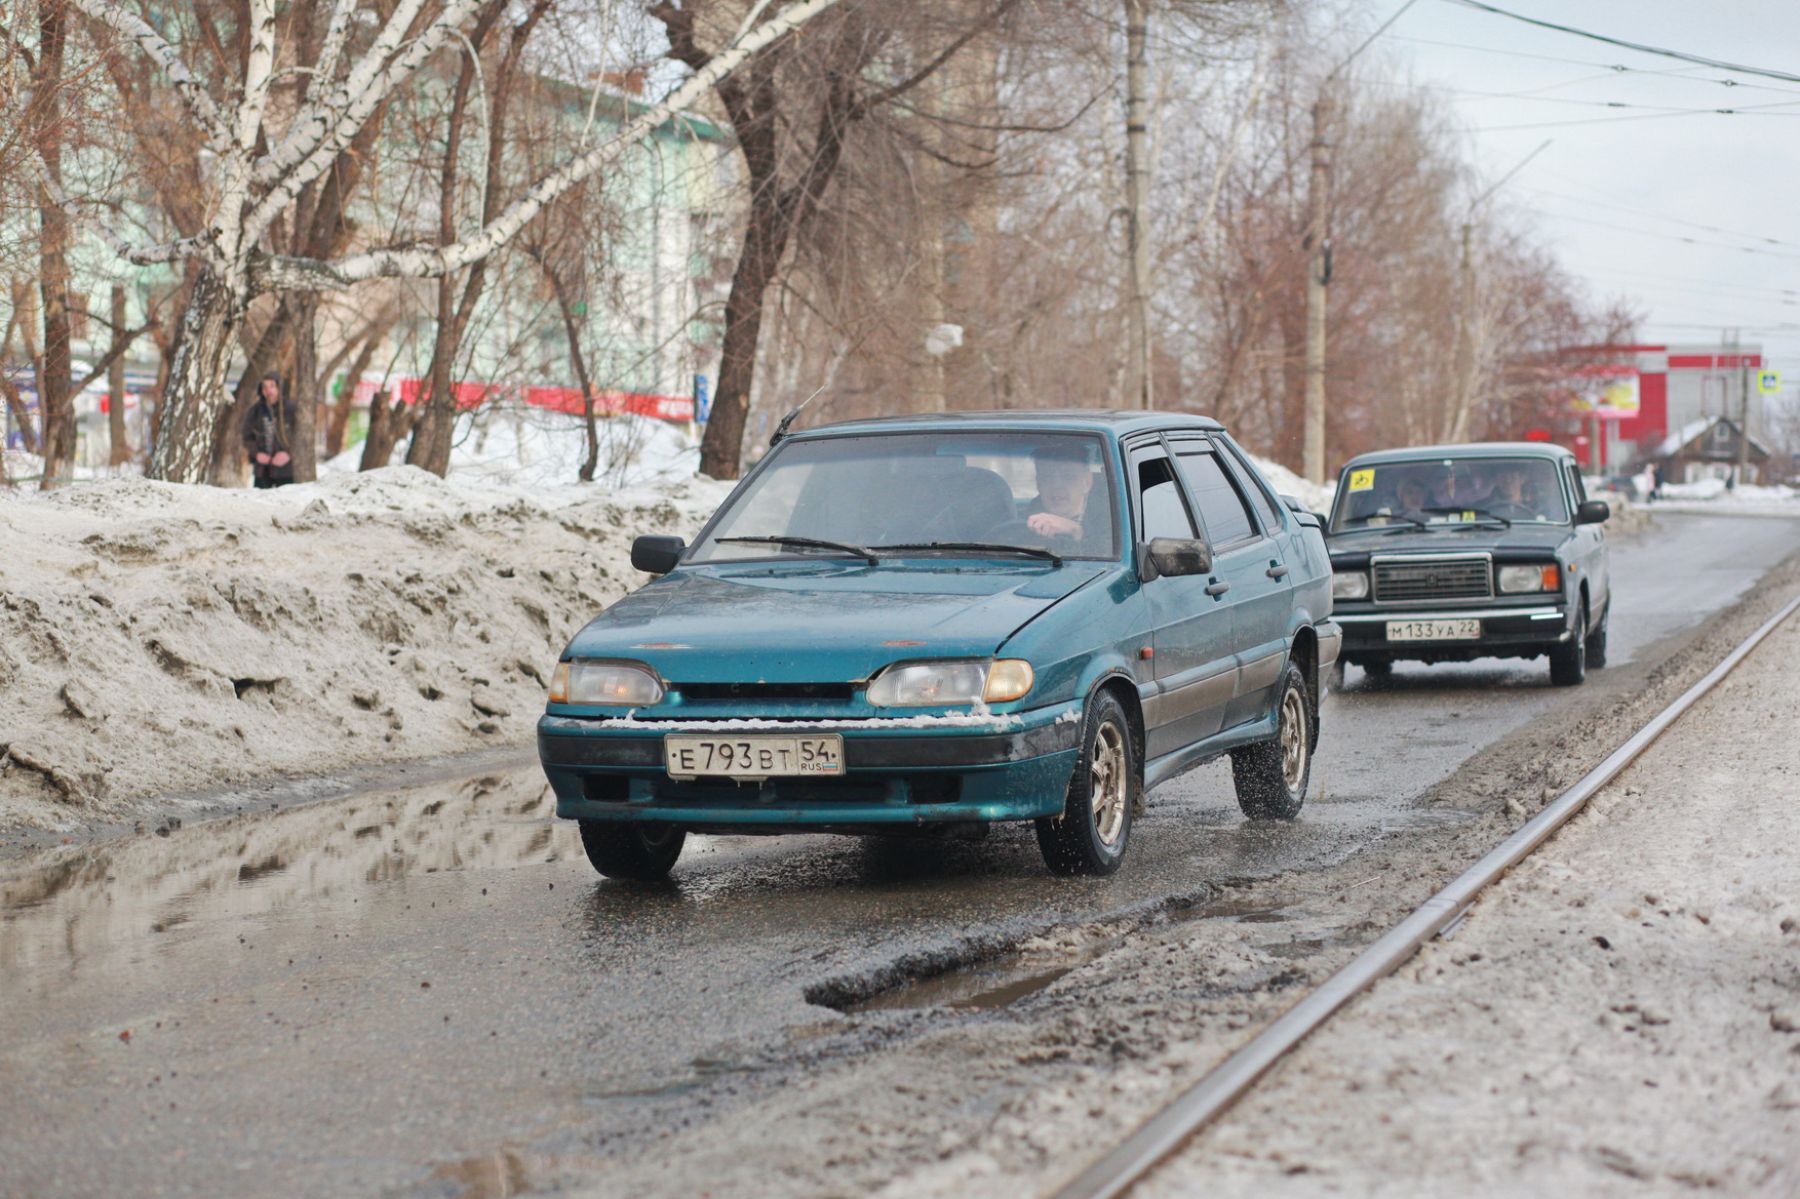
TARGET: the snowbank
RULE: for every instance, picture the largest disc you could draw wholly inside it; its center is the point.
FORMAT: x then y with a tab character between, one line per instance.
157	637
1286	482
519	446
1711	495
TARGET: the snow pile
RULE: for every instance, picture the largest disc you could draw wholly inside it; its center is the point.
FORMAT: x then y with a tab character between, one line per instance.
518	446
1747	499
157	637
1286	482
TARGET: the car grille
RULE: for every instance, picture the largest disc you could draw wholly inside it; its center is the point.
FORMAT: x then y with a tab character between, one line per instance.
1434	579
726	692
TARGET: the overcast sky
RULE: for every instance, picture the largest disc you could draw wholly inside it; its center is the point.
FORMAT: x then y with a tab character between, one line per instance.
1616	196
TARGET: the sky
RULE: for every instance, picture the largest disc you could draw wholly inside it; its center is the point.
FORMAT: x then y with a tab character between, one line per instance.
1658	209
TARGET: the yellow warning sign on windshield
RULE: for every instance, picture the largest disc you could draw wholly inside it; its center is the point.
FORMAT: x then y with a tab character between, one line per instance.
1362	480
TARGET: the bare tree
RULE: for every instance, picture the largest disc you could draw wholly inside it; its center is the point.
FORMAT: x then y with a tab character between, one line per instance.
262	170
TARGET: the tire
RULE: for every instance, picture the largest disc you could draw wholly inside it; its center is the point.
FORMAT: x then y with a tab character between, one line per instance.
1379	669
1095	826
1271	776
1596	643
644	852
1568	662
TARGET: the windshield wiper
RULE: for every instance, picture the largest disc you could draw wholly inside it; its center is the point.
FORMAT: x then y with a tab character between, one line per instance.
810	543
1481	512
1364	520
1030	551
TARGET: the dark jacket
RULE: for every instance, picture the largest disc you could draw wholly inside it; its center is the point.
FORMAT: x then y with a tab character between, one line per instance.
269	428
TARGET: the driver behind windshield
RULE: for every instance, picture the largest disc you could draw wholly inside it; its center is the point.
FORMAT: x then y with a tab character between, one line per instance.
1511	497
1064	479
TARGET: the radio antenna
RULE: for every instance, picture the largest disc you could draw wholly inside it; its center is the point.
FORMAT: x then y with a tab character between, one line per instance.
782	428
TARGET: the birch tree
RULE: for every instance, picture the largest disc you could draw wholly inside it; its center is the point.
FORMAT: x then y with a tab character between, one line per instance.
261	165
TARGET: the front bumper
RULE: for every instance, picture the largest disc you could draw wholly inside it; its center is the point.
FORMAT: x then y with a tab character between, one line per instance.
1011	768
1505	632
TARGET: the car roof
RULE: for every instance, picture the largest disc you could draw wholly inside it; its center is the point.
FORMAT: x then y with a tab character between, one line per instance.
1478	449
1119	423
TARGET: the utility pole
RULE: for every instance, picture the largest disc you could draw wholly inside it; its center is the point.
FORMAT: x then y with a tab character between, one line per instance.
1139	389
1318	247
1318	277
1466	367
1743	445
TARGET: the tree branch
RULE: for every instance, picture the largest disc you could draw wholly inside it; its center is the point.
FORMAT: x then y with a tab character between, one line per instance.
429	261
193	94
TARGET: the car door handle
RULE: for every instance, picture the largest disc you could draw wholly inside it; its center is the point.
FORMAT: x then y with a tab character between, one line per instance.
1276	572
1216	589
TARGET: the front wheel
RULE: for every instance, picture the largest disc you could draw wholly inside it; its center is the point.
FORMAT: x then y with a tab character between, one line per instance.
644	852
1596	643
1090	835
1271	776
1568	662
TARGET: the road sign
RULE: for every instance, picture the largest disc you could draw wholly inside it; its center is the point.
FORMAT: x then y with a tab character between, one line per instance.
702	400
1768	382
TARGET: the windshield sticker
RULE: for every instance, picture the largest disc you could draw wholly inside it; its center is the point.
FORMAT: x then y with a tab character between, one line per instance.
1362	480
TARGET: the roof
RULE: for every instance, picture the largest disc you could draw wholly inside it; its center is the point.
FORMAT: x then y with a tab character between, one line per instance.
1695	429
1477	449
1117	422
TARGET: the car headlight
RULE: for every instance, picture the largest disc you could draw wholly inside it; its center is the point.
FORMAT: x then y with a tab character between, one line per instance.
950	683
1349	584
592	681
1536	577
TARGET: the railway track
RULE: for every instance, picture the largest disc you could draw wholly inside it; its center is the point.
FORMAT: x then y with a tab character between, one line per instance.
1163	1134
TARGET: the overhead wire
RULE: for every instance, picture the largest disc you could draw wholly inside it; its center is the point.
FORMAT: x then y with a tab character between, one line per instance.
1625	44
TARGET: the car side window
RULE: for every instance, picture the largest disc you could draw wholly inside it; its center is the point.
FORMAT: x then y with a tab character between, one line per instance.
1251	485
1162	510
1575	482
1222	509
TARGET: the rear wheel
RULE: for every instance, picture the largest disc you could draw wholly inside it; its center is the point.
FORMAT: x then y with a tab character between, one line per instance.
1271	776
645	852
1568	662
1379	669
1090	835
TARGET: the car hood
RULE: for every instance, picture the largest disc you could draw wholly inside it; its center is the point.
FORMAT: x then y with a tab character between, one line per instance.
822	622
1448	540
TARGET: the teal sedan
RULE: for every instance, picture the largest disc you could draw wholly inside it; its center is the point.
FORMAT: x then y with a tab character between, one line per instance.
924	625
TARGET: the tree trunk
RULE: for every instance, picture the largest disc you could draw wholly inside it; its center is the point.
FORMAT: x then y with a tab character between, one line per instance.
303	389
195	392
55	404
115	388
765	237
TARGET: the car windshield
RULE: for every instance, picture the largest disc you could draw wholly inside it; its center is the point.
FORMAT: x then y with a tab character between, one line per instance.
949	493
1450	491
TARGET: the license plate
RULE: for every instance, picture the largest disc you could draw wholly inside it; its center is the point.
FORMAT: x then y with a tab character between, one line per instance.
688	755
1434	630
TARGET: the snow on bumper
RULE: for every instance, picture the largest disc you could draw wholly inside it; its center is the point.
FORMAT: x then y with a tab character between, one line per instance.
897	771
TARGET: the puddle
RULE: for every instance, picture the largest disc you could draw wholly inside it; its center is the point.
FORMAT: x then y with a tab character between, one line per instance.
63	906
495	1175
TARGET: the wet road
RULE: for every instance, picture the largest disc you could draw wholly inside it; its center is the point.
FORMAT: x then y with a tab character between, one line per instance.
375	995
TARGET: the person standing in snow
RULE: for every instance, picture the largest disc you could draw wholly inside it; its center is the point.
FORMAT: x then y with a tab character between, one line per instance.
269	434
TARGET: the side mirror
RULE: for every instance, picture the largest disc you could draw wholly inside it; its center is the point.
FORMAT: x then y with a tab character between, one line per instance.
656	554
1593	512
1180	555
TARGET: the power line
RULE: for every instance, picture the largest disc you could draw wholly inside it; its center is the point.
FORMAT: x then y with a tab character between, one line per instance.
1657	233
1640	47
1674	220
1610	69
1645	116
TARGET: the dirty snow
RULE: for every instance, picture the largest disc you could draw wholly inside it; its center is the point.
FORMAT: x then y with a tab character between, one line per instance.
1620	1014
161	638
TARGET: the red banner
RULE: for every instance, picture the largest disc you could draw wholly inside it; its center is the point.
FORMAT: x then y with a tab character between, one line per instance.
554	399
